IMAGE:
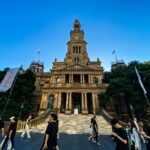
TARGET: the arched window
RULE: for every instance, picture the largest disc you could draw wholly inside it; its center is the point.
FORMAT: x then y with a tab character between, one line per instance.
50	102
77	60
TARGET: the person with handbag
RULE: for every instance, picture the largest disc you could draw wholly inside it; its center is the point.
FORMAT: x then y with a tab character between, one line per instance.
2	124
27	130
10	134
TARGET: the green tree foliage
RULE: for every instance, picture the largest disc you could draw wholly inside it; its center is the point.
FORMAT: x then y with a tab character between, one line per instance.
22	94
123	84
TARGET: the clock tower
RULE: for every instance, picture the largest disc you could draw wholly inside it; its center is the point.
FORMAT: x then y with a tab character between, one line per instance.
77	53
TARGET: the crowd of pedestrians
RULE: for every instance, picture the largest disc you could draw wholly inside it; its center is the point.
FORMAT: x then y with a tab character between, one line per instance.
132	136
129	136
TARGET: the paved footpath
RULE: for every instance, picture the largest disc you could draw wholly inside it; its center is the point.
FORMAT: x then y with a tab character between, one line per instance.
66	142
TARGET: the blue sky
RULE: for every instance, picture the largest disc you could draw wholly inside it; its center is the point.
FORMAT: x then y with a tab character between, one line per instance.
27	26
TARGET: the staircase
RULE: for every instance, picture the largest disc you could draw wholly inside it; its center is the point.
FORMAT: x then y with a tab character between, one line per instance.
76	124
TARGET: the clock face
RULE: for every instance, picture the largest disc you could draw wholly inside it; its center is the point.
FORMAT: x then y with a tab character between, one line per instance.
58	80
76	37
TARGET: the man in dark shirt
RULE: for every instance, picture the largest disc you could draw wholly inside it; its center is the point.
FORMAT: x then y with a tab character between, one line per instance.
120	136
2	127
50	139
11	132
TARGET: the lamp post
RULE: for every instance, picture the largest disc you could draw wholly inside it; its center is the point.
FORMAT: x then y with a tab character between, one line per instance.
21	108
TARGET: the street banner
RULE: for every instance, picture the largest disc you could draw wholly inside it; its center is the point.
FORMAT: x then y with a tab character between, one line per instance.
8	80
140	81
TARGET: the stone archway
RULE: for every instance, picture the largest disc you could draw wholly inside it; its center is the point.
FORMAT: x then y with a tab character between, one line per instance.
51	102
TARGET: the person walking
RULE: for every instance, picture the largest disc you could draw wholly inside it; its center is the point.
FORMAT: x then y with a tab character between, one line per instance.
91	130
50	139
95	130
27	130
57	124
135	137
120	135
11	134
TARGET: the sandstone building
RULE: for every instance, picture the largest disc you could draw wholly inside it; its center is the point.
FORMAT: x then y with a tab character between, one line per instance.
74	83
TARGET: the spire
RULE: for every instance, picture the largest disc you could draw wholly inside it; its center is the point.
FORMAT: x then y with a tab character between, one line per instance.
76	25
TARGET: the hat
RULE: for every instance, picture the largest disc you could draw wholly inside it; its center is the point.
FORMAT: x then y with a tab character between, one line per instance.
12	118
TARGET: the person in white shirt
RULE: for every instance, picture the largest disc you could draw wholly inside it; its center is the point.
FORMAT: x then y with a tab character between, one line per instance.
28	121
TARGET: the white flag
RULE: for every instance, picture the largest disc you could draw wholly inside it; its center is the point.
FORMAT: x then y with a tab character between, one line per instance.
140	81
8	80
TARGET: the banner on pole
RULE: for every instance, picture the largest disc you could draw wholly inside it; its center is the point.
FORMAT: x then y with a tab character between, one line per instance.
8	80
140	81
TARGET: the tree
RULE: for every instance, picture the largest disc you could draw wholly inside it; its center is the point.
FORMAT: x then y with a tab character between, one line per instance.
22	94
123	84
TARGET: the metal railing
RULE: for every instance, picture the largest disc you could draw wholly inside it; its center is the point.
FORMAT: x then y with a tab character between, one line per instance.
109	117
36	121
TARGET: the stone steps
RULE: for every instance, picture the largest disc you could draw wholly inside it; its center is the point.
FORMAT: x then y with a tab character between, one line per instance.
76	124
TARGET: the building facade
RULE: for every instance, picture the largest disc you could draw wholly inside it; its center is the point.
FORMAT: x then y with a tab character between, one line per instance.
73	84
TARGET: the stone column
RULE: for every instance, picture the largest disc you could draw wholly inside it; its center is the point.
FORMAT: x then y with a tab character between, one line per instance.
69	78
84	104
97	103
43	104
67	101
94	105
59	102
70	101
82	101
85	101
83	78
68	111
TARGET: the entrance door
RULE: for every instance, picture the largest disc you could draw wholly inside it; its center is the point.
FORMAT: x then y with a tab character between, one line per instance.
89	103
63	102
76	98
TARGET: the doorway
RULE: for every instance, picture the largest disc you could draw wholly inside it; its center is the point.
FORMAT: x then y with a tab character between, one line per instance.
76	99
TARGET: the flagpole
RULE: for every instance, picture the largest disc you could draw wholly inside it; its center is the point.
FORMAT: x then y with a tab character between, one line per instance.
116	57
147	100
8	99
114	52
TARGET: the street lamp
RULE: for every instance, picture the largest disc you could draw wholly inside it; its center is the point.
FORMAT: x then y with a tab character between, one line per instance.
21	108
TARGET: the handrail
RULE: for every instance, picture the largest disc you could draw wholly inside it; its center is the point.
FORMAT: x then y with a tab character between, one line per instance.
38	120
109	117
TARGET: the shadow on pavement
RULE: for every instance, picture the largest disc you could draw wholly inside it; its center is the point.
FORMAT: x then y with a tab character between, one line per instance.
66	142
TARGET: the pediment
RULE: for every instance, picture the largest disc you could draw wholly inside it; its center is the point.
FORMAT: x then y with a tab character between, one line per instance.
78	67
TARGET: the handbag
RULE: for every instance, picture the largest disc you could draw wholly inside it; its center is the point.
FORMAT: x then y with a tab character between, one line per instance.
9	145
2	143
